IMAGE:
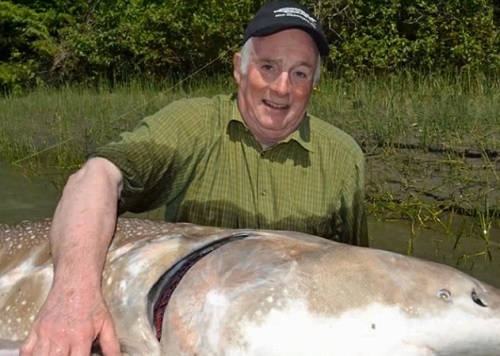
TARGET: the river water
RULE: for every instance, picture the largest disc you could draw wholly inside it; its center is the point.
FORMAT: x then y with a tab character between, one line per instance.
25	199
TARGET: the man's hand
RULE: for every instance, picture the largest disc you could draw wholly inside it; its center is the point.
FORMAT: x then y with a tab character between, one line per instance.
68	323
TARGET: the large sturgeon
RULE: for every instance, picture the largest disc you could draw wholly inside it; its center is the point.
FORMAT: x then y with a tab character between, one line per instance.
211	291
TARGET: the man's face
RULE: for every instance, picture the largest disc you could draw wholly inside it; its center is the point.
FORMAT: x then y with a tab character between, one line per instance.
274	93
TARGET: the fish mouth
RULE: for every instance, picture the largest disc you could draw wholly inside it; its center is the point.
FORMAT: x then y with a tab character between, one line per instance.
161	292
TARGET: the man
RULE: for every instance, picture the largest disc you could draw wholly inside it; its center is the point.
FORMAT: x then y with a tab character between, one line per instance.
254	160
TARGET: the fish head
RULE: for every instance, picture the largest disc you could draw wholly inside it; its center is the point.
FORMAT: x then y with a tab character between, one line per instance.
284	293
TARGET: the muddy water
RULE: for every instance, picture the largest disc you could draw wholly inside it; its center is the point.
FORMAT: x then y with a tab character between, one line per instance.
24	199
436	246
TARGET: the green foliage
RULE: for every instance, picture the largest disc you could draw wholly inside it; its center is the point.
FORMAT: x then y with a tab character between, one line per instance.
126	39
366	36
381	35
26	47
460	33
79	41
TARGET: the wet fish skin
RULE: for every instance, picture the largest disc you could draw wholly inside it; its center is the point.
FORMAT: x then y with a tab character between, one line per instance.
268	293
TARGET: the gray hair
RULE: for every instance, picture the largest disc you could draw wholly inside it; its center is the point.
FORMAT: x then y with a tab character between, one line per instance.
247	50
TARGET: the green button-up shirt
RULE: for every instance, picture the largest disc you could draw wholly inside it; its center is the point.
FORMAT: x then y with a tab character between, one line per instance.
199	158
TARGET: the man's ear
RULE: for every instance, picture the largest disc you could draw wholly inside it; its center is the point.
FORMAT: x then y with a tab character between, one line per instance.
237	67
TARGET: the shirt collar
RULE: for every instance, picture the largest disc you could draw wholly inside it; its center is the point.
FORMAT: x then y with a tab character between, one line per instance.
302	135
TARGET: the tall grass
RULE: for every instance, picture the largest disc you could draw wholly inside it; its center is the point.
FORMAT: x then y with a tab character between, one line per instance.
450	109
61	126
57	128
50	131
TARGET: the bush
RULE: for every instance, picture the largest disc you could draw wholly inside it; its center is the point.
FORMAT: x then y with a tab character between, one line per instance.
26	47
60	41
374	35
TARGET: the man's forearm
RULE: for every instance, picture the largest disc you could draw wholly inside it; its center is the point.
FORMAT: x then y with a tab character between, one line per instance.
84	223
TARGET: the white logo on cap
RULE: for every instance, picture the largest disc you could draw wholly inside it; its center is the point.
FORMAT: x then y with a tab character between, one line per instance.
295	12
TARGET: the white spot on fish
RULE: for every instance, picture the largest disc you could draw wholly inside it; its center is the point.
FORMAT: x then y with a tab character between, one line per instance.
215	298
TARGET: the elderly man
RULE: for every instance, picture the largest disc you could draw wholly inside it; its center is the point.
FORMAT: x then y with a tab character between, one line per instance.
256	159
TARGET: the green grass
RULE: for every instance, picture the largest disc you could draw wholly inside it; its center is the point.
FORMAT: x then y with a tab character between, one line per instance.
446	110
453	110
415	129
55	129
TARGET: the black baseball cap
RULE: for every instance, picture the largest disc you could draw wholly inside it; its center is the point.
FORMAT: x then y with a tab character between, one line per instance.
276	16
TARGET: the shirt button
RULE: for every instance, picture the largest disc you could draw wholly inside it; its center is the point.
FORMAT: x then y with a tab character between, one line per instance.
263	193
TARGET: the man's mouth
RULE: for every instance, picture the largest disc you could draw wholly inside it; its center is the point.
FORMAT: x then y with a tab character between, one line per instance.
274	105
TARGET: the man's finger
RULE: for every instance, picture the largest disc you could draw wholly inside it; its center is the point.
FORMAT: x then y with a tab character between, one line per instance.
108	341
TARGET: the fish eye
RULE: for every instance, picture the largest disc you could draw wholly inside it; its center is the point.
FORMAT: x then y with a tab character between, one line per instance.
477	299
444	294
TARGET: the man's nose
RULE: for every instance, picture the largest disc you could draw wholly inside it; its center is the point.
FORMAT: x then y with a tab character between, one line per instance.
281	85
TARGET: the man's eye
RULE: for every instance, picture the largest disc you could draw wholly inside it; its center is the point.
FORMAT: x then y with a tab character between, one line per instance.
267	67
301	75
